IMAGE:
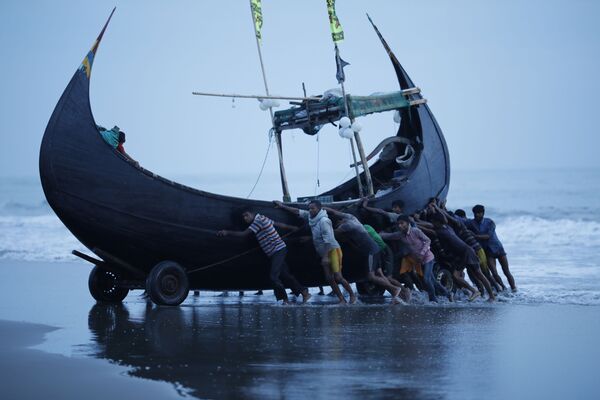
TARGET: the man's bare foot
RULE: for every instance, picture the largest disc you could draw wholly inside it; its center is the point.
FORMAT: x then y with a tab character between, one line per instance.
342	302
352	299
286	302
450	297
475	295
397	300
405	294
306	296
491	299
396	292
514	290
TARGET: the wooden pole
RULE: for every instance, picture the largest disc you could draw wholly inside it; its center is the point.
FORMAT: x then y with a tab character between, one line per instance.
359	146
284	184
255	96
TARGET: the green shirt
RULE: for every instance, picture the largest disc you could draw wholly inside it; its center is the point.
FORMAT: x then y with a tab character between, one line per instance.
375	236
111	137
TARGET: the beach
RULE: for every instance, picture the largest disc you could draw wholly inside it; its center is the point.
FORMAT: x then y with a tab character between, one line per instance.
540	342
57	342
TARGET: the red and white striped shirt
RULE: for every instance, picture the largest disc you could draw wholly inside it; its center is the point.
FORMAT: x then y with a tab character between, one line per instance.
268	238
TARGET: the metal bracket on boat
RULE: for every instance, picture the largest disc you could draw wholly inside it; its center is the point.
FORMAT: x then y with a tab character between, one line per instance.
380	146
117	261
87	258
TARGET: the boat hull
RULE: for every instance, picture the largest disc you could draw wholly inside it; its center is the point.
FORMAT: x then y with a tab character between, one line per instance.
117	208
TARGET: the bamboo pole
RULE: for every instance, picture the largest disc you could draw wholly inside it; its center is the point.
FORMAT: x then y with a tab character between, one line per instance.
359	146
284	184
255	96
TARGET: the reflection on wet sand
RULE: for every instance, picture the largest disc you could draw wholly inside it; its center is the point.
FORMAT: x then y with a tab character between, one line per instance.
264	351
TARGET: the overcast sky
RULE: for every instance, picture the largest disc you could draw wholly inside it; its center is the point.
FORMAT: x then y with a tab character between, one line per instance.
513	84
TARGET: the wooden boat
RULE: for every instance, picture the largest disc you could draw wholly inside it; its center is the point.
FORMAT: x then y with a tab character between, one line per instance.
150	232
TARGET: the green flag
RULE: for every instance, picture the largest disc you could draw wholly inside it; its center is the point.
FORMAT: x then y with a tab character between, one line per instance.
337	33
257	17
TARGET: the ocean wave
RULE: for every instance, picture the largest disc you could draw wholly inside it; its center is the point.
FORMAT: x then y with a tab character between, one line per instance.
36	238
543	232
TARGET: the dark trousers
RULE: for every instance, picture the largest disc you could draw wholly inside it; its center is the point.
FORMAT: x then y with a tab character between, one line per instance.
280	272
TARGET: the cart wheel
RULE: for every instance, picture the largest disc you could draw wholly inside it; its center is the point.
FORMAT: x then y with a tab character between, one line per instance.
167	284
369	289
104	285
444	277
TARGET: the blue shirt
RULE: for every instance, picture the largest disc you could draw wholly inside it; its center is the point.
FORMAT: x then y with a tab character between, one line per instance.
486	227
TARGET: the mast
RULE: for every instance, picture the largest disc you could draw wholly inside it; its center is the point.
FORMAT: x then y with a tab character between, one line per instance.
361	191
337	35
255	9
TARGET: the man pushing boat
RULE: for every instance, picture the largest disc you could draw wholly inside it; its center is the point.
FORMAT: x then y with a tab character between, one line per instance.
275	248
325	244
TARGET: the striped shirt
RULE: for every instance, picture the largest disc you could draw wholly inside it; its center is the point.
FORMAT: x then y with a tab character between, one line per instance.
465	234
268	238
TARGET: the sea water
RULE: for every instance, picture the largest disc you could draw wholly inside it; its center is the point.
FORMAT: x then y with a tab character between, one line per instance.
548	221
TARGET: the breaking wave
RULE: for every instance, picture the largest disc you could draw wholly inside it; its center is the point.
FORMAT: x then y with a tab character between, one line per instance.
36	238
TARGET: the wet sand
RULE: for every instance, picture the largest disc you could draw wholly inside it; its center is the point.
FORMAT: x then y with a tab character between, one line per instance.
231	347
26	373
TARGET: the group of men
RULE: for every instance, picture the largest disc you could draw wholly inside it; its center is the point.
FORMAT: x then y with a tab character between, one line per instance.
400	255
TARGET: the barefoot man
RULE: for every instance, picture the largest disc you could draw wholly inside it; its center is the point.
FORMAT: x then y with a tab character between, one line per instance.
275	248
325	244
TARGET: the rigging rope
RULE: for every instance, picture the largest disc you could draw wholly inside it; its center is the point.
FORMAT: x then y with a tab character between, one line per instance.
242	253
263	164
256	248
318	183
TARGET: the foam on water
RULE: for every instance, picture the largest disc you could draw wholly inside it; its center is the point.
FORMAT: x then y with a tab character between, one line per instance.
36	238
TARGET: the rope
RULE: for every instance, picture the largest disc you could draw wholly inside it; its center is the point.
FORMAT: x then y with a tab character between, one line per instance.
318	183
263	164
205	267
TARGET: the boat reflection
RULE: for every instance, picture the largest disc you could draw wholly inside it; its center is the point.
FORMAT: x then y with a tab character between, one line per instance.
242	350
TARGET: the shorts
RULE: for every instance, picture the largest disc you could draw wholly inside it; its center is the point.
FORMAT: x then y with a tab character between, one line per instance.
499	252
410	264
473	267
483	261
469	259
386	261
374	261
335	260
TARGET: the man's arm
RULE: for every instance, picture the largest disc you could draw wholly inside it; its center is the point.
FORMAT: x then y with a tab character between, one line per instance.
284	226
240	234
427	230
451	220
424	224
488	232
334	212
374	210
390	235
293	210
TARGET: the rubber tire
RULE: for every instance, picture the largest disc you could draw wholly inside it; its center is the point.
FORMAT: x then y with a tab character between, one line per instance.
167	284
103	285
444	277
369	289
